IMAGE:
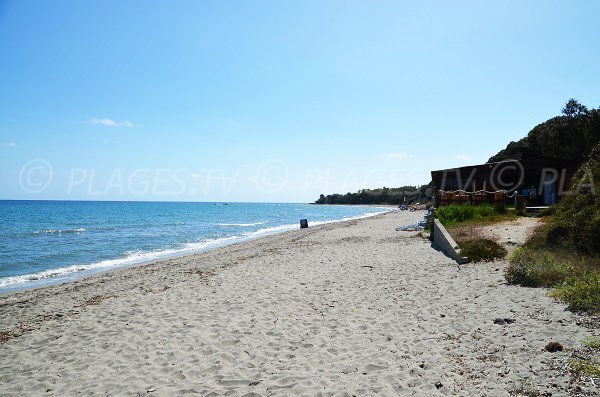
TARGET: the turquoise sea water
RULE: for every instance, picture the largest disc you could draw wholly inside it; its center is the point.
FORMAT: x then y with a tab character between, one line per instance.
43	242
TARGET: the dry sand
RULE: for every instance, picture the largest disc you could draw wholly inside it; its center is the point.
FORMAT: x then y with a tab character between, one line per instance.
511	234
353	308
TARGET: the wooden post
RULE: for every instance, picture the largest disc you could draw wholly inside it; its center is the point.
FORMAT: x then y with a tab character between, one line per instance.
500	201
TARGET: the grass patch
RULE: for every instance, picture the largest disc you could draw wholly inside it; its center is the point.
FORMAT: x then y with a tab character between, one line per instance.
586	362
481	249
467	234
474	245
580	293
532	267
592	343
576	279
525	388
453	214
589	367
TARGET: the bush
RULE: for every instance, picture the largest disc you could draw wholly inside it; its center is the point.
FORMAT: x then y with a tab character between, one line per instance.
580	293
576	221
548	211
576	280
532	267
482	249
460	213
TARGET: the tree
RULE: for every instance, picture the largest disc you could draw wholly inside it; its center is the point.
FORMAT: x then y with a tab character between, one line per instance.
573	108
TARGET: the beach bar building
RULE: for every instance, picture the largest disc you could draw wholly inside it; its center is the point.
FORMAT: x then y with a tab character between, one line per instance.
540	180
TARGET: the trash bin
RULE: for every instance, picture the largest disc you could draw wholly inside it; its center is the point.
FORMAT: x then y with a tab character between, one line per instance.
303	223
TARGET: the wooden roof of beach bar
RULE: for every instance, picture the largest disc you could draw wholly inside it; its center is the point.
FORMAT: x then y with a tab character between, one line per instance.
543	178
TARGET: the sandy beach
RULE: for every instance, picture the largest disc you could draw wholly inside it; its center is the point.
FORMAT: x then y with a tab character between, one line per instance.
351	308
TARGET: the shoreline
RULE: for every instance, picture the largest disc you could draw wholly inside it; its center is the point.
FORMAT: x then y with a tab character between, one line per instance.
73	276
351	307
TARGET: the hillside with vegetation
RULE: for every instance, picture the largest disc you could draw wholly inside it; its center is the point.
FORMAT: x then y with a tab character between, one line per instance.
384	195
570	136
576	221
565	253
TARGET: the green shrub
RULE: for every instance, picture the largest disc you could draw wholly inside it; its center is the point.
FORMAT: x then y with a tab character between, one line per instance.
574	282
452	214
482	249
589	368
576	221
592	343
580	293
586	362
548	211
525	388
532	267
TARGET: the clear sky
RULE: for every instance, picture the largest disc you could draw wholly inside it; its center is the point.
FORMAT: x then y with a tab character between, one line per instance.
275	100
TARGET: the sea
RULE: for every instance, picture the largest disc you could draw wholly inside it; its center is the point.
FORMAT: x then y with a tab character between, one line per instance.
47	242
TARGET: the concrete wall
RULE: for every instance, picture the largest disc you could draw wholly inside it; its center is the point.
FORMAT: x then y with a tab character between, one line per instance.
443	241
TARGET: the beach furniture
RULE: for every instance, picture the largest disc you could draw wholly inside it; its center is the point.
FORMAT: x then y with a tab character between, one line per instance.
415	227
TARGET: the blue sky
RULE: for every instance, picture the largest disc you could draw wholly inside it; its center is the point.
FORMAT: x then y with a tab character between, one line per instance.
275	100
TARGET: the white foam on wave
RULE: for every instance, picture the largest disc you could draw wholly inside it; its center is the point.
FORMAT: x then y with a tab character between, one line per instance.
130	259
242	224
270	230
285	228
59	231
69	272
